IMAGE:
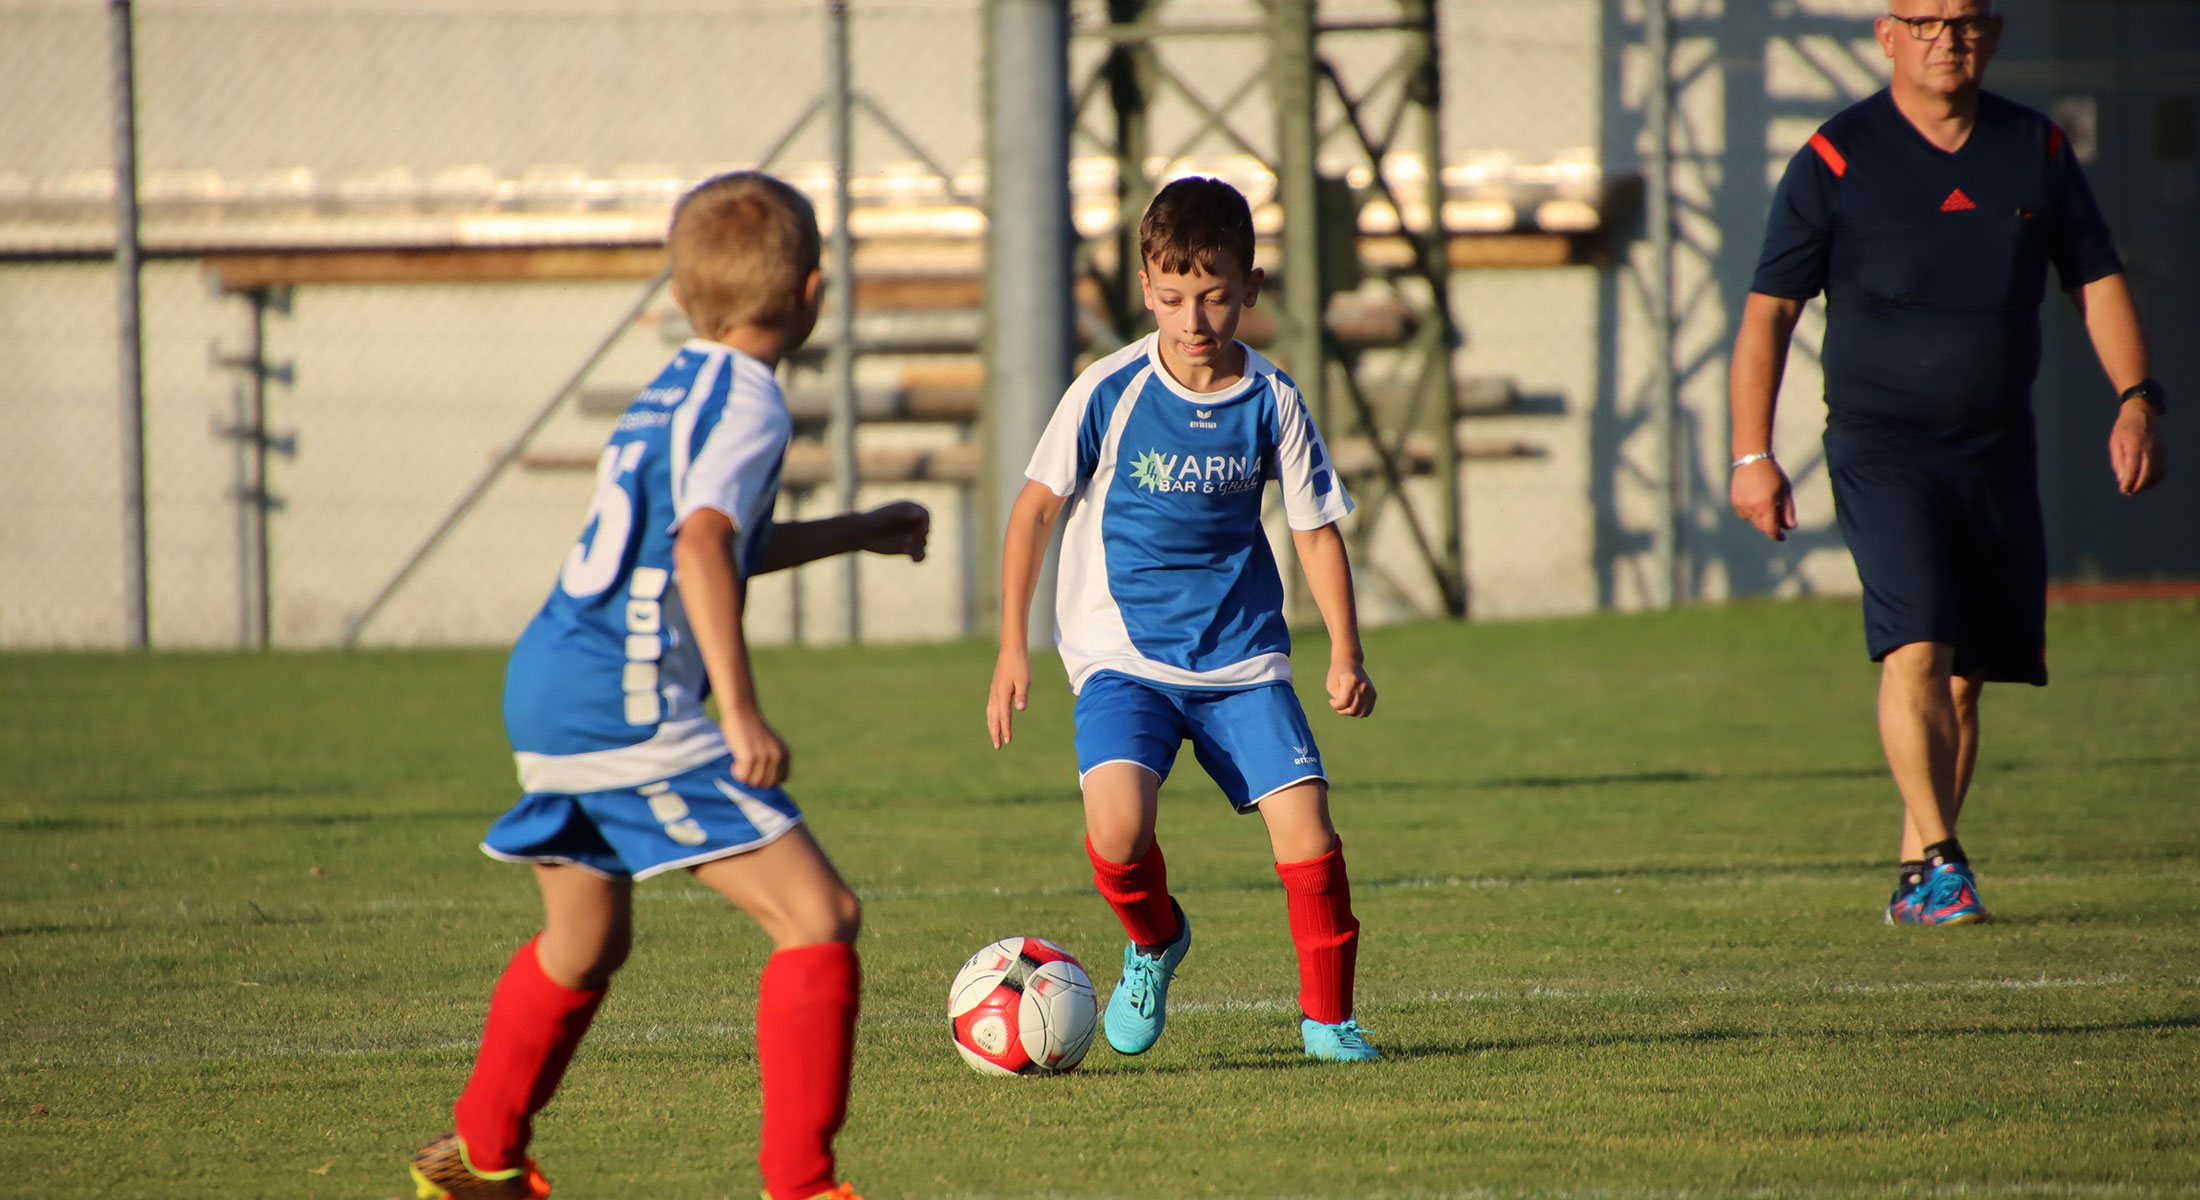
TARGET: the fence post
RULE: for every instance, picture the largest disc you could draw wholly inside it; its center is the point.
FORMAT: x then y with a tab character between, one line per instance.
1030	336
842	292
1665	397
136	609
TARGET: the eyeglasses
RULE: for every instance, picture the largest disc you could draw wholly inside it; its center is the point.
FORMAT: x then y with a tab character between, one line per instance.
1928	29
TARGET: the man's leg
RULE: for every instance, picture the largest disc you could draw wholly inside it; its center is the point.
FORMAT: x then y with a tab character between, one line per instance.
541	1009
1325	934
1919	732
1964	692
806	1002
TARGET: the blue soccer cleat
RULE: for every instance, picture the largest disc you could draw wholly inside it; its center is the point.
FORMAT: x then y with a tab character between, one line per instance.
1907	905
1140	1005
1344	1041
1950	897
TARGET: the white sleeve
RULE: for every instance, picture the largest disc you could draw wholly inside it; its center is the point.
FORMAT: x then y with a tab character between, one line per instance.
736	467
1313	495
1057	461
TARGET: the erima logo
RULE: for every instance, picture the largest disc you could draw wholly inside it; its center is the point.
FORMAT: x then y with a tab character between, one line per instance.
661	395
1304	759
1215	474
1203	418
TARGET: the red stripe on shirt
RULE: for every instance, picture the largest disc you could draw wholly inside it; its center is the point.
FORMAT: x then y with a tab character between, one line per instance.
1832	156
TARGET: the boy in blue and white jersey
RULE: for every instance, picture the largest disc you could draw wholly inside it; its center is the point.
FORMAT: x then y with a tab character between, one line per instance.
625	775
1169	609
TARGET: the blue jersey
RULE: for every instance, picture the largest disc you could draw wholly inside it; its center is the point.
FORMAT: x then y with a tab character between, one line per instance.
605	688
1933	265
1166	574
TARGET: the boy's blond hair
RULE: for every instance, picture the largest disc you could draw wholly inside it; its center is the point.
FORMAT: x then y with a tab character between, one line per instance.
742	245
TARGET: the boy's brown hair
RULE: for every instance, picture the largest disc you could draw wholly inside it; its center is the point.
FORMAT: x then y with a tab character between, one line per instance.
742	246
1192	222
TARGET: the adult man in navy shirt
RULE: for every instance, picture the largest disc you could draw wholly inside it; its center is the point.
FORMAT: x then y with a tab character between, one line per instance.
1929	213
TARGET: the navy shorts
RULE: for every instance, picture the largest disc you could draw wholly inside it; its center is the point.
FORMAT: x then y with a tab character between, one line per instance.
1252	741
1949	556
634	833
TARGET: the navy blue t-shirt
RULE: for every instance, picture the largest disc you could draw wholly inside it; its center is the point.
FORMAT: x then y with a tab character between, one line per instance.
1933	265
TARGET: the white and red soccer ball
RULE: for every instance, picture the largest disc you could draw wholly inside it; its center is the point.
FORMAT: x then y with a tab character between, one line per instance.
1022	1006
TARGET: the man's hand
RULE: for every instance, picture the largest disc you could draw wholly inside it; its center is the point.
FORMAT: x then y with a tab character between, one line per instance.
1349	690
760	759
898	528
2135	448
1760	494
1011	689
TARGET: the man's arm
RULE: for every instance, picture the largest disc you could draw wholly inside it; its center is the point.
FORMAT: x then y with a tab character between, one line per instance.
710	591
898	528
1030	524
1329	578
2112	321
1759	489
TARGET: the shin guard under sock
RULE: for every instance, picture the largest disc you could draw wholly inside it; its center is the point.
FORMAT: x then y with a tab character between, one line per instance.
533	1028
805	1046
1139	894
1325	933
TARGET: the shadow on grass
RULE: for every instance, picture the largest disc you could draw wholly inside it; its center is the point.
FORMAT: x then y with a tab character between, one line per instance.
1807	774
319	820
1407	1051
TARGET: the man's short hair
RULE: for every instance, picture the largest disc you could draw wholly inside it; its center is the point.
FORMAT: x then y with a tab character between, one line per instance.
742	246
1193	222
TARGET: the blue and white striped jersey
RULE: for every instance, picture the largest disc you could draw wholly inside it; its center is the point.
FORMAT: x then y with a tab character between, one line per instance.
605	688
1165	573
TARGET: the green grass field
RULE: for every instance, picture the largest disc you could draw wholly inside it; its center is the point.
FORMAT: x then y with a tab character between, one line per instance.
1620	880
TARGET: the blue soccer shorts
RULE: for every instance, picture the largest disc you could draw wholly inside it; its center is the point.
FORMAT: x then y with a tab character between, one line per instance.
634	833
1252	741
1950	556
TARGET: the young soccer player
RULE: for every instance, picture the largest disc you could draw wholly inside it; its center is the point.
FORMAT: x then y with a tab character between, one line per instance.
625	776
1169	614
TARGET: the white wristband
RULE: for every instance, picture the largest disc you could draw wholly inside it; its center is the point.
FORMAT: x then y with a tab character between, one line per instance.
1747	459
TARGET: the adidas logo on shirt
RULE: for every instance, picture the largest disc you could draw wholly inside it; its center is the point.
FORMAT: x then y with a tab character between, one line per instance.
1957	202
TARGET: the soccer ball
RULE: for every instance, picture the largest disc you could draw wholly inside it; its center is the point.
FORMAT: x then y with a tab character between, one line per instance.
1022	1006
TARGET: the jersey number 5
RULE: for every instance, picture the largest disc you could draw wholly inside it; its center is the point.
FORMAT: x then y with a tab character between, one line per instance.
595	560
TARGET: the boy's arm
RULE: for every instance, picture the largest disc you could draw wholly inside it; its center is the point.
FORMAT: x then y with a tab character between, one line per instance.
897	528
710	591
1030	523
1329	577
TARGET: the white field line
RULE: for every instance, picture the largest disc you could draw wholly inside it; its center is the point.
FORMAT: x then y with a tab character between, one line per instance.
611	1033
1907	1191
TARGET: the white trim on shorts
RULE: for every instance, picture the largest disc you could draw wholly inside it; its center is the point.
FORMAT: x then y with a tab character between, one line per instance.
660	868
1254	803
1105	761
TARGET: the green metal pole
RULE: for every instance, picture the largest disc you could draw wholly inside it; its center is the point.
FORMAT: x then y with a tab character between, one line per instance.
1425	90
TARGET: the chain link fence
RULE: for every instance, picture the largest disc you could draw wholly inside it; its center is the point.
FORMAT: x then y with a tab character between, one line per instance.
402	258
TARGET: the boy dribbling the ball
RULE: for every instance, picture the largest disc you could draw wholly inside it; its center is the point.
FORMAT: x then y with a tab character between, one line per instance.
1169	615
625	775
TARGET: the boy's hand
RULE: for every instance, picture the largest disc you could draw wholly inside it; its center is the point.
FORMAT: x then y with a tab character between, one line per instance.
1349	690
1011	688
760	758
897	528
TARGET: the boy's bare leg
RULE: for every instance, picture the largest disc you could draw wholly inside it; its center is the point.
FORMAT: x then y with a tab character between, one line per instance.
1298	821
1310	861
587	926
541	1010
1122	804
806	1002
790	889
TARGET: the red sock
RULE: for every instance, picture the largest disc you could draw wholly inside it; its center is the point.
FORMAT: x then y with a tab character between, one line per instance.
533	1028
805	1045
1325	933
1139	894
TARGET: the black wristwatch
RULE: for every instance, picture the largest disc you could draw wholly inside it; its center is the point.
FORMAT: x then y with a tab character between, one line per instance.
2149	391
